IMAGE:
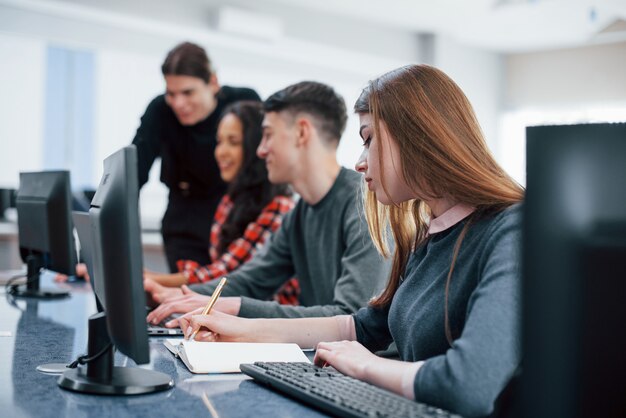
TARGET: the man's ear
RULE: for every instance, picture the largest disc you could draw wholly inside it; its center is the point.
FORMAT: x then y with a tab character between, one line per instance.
304	131
214	85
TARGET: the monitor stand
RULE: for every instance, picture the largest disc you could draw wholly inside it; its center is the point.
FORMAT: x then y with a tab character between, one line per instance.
34	265
102	378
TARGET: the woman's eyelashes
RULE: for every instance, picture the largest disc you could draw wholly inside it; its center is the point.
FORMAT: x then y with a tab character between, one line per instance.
366	141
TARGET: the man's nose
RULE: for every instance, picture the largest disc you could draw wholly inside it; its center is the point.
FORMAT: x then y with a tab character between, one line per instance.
177	102
261	150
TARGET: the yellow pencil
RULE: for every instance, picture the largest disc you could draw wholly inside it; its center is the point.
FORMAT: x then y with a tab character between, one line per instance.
209	305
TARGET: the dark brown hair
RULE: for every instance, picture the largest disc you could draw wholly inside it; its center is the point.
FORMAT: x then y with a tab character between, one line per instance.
317	99
188	59
251	189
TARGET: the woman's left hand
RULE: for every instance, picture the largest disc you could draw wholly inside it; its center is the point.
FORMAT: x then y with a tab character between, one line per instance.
349	357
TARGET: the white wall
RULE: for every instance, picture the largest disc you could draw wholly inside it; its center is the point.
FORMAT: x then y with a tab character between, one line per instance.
130	40
127	81
130	47
479	74
594	74
129	51
579	85
22	78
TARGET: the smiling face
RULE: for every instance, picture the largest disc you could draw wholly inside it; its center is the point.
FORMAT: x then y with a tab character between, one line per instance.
229	148
369	163
191	99
279	147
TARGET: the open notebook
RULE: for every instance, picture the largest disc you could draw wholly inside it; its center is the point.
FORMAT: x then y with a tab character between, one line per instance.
205	357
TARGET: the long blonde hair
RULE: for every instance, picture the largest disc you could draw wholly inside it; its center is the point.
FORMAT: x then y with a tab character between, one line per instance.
442	154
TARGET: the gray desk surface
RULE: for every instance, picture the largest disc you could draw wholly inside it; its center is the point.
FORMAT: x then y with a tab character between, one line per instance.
35	332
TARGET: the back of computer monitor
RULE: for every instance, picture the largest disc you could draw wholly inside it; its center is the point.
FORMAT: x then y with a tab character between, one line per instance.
575	272
118	274
45	231
7	198
114	215
82	223
44	225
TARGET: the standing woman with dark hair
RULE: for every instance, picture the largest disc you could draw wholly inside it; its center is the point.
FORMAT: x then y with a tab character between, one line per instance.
180	126
452	301
249	212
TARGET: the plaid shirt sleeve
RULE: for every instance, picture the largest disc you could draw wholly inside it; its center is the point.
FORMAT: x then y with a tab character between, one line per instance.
242	249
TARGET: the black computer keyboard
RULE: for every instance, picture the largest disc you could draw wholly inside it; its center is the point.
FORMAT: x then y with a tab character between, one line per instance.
160	330
337	394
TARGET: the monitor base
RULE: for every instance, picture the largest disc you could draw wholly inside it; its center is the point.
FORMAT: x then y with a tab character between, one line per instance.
21	292
124	381
99	376
34	264
52	368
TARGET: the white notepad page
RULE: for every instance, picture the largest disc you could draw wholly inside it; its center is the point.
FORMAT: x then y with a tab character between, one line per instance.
222	357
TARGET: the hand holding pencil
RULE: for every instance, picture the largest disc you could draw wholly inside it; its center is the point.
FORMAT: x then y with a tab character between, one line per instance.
209	305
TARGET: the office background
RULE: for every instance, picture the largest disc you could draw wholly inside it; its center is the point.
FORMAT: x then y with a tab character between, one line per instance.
76	75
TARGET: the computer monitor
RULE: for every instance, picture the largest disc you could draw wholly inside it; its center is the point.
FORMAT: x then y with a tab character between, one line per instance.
82	223
574	287
117	256
45	231
7	200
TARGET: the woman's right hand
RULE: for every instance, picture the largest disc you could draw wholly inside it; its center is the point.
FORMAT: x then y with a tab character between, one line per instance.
217	326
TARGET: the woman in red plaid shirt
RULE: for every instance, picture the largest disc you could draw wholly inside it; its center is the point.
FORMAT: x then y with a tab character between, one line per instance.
249	212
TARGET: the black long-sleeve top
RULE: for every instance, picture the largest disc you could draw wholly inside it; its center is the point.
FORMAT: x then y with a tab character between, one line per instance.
187	163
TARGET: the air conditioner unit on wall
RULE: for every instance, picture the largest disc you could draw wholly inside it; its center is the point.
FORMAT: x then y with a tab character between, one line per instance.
248	23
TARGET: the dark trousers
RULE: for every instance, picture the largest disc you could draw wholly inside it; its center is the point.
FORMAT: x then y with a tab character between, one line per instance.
186	229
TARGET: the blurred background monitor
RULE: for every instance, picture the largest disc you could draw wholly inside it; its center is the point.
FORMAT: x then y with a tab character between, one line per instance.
7	200
45	230
575	272
118	272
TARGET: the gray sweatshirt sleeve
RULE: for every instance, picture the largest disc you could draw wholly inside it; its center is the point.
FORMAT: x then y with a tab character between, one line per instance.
363	274
264	274
489	340
372	329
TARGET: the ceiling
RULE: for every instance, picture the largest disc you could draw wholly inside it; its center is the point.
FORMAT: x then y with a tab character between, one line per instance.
501	25
506	26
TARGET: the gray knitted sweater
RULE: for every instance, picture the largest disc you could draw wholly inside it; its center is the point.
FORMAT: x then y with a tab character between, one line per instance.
484	309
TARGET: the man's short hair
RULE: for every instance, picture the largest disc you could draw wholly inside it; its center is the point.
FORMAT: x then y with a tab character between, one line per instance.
319	100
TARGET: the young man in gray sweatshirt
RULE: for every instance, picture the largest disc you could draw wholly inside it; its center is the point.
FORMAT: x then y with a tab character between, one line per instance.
323	241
